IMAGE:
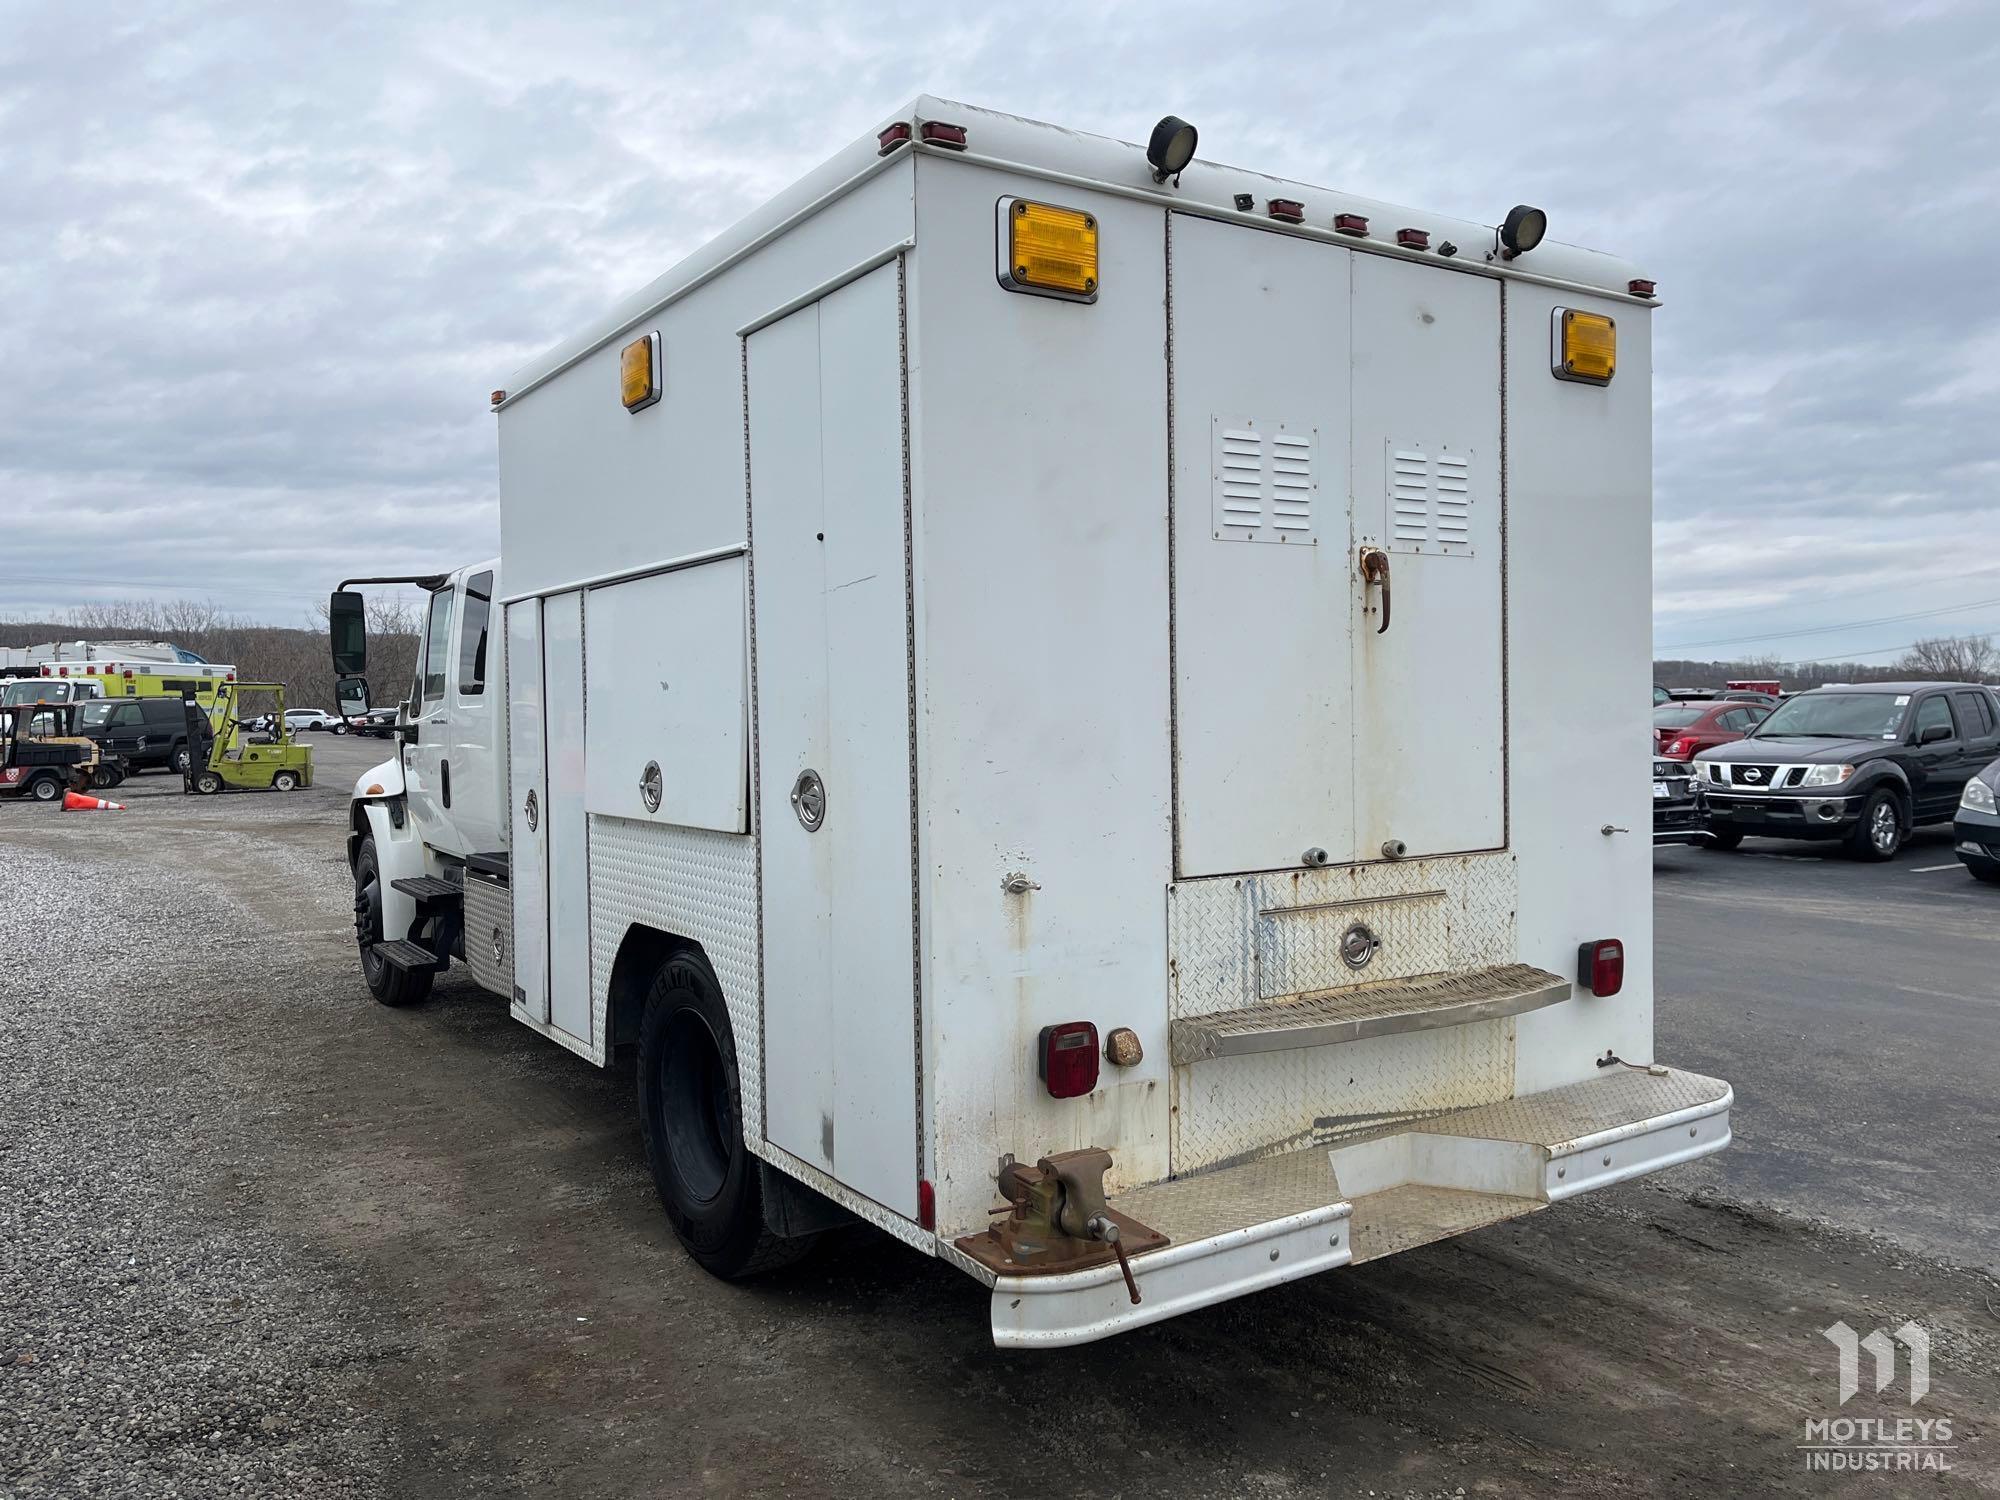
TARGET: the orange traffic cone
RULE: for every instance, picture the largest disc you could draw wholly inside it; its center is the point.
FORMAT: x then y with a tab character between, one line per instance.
77	802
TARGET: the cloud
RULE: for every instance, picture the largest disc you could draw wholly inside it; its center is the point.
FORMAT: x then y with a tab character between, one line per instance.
262	264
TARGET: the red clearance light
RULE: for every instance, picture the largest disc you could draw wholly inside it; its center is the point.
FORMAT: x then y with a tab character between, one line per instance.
926	1203
1414	239
1640	288
1600	966
896	135
1068	1059
938	134
128	674
1350	224
1289	209
496	398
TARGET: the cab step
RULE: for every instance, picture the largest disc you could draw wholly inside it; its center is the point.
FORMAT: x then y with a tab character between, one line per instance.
1424	1003
428	890
411	958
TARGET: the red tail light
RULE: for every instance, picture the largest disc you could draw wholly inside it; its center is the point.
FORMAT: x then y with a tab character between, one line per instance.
1600	966
1680	749
926	1205
1068	1061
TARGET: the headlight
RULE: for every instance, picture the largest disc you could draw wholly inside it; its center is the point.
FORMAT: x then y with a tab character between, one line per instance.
1826	775
1979	797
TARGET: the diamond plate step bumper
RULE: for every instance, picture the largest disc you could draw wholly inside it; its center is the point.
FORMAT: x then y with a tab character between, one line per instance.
1420	1004
1244	1228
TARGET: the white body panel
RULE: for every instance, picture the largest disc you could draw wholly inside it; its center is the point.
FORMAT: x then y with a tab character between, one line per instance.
1060	602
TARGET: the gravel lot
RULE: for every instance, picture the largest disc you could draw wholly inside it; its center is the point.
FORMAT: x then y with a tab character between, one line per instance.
259	1236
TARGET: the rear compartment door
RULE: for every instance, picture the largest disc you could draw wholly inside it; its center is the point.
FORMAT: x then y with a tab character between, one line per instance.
1429	719
1262	619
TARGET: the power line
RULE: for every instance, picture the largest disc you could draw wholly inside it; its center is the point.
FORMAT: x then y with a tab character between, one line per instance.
1785	635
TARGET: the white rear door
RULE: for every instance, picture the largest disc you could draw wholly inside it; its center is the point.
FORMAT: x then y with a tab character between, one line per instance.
1261	575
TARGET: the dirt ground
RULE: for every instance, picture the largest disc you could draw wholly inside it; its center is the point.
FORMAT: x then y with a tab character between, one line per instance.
263	1236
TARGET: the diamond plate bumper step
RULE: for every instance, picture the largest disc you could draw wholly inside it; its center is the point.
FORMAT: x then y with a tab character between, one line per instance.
1322	1020
428	890
1239	1229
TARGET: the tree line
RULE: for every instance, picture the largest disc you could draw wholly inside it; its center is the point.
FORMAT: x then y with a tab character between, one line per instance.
298	658
1944	658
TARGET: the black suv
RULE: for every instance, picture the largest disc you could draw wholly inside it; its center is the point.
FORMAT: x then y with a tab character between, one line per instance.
146	732
1864	764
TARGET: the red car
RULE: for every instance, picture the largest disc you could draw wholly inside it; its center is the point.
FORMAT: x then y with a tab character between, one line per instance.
1680	729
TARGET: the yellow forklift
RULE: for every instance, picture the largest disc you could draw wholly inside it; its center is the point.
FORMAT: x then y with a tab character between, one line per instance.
241	758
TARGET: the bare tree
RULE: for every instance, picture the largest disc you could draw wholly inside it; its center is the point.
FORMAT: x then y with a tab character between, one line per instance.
1953	658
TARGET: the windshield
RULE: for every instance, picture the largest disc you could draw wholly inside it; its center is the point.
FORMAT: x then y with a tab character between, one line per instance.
1847	716
34	690
1675	718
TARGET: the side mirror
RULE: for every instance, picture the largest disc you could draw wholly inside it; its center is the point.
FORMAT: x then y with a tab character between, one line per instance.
350	697
347	626
1931	734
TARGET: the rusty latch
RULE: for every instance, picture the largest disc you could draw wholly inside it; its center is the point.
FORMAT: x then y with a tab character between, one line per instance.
1374	563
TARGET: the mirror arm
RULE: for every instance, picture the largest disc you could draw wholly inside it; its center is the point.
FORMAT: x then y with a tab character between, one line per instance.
430	581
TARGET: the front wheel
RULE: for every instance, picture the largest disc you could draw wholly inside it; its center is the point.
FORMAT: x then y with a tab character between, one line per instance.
691	1113
1881	831
340	729
182	760
386	982
208	783
45	788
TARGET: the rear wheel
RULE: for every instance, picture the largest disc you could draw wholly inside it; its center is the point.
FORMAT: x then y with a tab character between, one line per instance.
386	982
1727	839
691	1112
107	776
180	760
284	781
45	788
1881	831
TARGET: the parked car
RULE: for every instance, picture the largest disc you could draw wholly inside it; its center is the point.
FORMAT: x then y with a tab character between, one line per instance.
1661	695
1864	764
1677	816
1977	827
379	723
297	719
146	733
1681	729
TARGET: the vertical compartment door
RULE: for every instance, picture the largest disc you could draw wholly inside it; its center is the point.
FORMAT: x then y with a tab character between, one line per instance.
527	792
1262	574
833	738
1429	707
566	833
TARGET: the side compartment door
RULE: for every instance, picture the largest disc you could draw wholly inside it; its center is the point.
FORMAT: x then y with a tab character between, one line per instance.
833	804
1429	712
527	792
1262	577
564	826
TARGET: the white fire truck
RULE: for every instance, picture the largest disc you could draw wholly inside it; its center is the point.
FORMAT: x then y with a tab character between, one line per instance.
1004	684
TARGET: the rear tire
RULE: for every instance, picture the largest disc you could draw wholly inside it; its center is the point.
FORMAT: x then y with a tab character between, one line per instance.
1882	828
45	788
387	983
284	781
691	1112
1727	840
181	760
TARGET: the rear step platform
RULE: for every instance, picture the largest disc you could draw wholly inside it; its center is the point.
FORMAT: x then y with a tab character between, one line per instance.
412	958
1238	1229
1322	1020
427	890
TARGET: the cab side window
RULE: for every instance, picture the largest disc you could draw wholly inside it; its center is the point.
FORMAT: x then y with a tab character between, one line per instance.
128	716
472	628
437	641
1974	714
1933	711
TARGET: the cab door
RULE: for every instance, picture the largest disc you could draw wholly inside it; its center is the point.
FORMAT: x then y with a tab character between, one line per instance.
425	754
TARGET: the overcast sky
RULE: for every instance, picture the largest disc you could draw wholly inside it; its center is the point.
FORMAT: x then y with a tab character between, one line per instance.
262	263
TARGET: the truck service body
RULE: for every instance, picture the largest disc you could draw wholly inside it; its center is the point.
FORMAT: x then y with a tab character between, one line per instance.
1069	724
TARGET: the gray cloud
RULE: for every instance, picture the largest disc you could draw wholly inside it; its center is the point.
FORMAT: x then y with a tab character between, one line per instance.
261	265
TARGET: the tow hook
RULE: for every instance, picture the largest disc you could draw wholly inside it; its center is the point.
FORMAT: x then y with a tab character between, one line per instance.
1057	1220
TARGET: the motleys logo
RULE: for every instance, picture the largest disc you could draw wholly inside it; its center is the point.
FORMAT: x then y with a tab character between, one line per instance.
1878	1444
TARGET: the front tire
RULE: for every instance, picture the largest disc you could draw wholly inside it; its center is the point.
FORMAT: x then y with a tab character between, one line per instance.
387	983
181	760
208	783
45	789
1882	828
691	1112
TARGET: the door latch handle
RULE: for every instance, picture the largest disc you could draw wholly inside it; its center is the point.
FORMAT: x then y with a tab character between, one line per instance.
1375	569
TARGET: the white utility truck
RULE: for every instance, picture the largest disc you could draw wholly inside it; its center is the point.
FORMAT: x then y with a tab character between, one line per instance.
1026	682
